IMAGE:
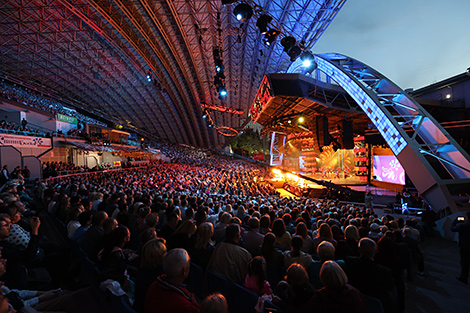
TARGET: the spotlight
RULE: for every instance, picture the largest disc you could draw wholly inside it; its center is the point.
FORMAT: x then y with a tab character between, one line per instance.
270	36
243	12
263	22
294	53
222	92
219	66
301	119
149	76
288	43
308	61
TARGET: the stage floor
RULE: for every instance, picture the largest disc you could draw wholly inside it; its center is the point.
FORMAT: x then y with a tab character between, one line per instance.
350	181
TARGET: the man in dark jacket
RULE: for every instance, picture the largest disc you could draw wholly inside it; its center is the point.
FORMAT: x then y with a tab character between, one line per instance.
462	226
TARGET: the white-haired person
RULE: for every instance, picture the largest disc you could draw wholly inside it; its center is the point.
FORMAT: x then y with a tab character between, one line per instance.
167	294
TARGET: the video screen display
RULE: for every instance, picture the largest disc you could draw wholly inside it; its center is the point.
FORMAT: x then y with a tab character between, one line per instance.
388	169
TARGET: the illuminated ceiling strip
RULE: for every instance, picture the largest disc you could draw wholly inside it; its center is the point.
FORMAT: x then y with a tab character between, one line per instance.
220	128
221	108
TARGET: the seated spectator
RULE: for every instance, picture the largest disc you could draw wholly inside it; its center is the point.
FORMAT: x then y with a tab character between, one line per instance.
92	241
375	232
324	234
151	267
295	290
219	229
296	255
349	246
204	246
252	239
113	260
85	222
255	280
326	252
302	231
274	259
182	236
17	258
283	237
337	295
214	303
230	260
264	224
166	294
371	278
17	235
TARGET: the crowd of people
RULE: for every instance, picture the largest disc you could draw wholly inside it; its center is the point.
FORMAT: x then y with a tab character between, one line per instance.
33	99
142	227
10	127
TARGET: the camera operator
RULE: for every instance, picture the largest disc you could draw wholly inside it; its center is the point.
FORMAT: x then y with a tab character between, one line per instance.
462	226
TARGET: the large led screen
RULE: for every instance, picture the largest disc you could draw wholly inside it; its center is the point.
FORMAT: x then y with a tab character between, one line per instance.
388	169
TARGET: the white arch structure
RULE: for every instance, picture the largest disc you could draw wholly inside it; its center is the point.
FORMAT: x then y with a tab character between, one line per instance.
435	163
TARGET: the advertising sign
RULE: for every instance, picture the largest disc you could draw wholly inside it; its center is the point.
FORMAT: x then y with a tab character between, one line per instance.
66	118
24	141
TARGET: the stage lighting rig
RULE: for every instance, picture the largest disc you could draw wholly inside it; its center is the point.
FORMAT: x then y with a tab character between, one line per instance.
149	76
243	12
294	53
263	22
288	42
270	36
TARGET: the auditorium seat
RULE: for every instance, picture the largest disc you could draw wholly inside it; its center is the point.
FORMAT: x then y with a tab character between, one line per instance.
195	280
373	305
217	283
243	300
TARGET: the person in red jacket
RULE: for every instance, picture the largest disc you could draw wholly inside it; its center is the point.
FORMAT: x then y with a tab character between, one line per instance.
167	293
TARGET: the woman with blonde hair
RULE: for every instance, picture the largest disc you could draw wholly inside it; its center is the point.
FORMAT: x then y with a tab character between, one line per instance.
151	266
204	246
337	295
182	236
348	246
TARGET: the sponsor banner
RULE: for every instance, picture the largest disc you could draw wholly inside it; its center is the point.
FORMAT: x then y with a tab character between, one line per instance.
66	118
259	156
24	141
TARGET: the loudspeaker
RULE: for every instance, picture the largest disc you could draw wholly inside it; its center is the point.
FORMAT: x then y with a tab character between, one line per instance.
348	141
323	135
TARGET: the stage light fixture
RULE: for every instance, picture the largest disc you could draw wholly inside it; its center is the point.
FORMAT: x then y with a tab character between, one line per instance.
149	76
288	43
222	92
263	23
270	36
308	61
243	12
294	53
301	119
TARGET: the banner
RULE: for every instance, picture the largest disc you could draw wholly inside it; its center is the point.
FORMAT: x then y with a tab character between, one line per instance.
66	118
259	156
24	141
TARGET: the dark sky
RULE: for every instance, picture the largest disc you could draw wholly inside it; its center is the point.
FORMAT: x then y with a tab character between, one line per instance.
413	42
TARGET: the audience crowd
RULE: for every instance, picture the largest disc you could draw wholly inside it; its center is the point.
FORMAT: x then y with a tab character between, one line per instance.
33	99
143	227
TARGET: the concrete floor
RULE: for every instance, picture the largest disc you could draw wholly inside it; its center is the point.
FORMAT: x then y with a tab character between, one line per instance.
440	291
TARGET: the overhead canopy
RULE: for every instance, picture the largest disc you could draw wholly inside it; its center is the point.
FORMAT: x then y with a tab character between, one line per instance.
95	56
